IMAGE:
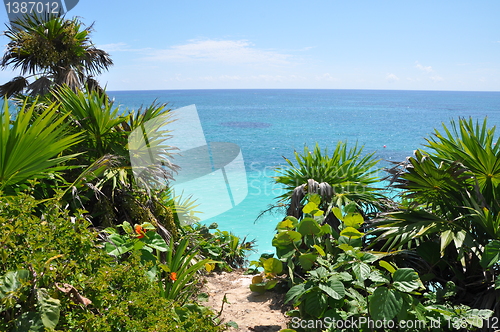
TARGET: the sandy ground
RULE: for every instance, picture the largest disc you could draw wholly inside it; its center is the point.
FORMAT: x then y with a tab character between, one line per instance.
251	311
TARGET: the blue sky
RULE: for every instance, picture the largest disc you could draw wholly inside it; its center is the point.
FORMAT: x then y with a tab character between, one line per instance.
328	44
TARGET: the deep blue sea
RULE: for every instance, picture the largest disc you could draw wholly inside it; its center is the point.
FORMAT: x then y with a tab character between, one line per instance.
269	124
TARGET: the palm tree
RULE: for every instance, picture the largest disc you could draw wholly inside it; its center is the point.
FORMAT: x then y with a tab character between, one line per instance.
53	50
451	218
345	176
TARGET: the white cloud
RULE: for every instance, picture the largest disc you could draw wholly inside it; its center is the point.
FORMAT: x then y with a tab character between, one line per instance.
222	51
326	77
436	78
120	47
427	69
392	78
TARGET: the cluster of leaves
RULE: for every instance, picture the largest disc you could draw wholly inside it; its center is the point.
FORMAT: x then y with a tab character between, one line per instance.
444	230
337	280
226	250
173	266
452	214
351	175
55	274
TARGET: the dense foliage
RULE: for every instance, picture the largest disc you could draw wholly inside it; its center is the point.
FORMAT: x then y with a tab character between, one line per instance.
57	275
87	244
432	255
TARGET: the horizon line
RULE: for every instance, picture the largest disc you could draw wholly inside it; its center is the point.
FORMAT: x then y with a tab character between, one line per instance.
337	89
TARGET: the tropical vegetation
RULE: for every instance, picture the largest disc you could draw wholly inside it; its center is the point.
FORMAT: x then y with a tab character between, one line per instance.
92	242
430	255
87	245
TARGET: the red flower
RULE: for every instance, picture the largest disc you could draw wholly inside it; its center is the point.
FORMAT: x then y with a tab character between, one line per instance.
173	276
140	231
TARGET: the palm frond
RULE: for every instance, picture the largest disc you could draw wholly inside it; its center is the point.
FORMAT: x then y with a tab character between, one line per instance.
13	87
350	174
32	147
41	86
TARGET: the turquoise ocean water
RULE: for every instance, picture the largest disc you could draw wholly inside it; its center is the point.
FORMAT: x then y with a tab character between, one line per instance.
269	124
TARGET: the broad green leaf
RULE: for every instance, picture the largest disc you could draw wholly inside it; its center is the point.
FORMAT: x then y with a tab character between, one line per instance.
315	198
351	233
327	229
284	239
385	303
148	226
308	226
318	213
319	273
165	267
295	292
367	257
407	303
406	280
138	245
271	283
377	277
310	207
12	281
356	243
307	261
482	314
335	289
110	230
319	250
387	266
344	276
315	303
273	266
353	220
337	212
361	271
285	225
420	310
497	283
48	308
345	247
258	288
474	321
155	241
491	254
120	245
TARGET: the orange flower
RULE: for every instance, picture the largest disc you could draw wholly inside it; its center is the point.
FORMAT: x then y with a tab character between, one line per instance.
140	231
173	276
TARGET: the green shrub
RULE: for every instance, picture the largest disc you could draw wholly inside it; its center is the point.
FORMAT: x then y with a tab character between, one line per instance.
334	279
226	249
55	274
